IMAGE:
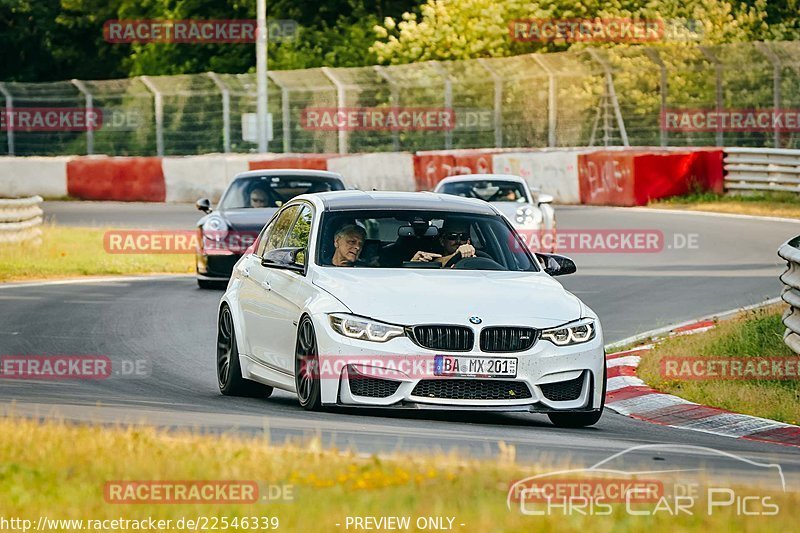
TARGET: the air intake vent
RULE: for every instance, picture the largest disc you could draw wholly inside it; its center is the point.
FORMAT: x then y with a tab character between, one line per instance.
508	339
563	391
472	389
444	338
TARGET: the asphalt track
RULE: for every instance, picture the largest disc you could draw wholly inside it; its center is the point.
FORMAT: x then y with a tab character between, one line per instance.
170	324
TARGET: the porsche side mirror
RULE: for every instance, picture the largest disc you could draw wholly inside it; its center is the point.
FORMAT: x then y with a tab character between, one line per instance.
204	205
545	199
557	265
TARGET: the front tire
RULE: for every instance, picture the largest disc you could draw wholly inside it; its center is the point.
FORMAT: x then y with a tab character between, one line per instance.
306	367
581	420
229	370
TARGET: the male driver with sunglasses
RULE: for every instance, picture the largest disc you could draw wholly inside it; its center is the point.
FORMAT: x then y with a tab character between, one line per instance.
454	238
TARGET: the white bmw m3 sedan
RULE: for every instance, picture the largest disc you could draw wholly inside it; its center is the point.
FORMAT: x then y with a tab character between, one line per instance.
408	300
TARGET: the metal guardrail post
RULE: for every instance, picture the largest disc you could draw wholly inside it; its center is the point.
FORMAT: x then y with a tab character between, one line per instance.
158	103
655	57
718	83
226	110
394	97
9	114
552	102
286	118
448	100
341	98
89	104
498	101
791	292
776	84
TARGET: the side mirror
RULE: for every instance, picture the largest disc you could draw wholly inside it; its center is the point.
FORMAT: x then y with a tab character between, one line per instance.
545	199
557	265
204	205
284	258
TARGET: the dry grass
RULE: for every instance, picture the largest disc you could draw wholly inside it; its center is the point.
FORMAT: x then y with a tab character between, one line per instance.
754	334
59	471
68	252
783	205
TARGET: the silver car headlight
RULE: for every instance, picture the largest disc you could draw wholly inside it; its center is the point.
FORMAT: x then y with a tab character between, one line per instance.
215	228
573	333
357	327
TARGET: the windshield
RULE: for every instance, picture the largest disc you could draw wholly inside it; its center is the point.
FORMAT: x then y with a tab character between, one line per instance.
274	191
488	191
421	239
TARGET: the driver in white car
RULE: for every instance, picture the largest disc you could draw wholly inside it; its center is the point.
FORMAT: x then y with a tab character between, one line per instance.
454	238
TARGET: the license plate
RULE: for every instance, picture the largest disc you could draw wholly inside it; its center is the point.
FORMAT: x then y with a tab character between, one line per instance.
492	367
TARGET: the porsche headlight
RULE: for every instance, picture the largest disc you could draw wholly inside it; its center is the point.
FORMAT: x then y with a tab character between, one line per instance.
574	333
215	228
357	327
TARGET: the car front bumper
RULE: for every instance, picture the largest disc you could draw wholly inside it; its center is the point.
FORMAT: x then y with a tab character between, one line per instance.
399	374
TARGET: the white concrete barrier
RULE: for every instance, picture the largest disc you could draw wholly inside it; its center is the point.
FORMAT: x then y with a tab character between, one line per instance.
202	176
26	176
554	171
381	171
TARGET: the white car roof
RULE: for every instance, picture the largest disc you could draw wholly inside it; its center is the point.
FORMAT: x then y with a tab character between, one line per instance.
482	177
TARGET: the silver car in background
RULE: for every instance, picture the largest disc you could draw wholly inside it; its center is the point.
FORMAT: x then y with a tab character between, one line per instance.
527	209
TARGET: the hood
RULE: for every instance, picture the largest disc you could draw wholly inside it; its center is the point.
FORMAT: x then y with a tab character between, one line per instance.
408	297
249	218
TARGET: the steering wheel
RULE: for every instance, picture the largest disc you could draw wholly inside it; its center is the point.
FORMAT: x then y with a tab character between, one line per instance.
479	263
457	257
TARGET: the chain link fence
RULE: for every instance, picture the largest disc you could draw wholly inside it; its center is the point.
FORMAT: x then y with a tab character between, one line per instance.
594	97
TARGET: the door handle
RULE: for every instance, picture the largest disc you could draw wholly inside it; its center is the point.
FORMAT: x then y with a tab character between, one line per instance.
266	286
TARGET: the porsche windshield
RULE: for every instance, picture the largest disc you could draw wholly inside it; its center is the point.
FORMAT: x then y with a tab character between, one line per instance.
488	191
274	191
421	239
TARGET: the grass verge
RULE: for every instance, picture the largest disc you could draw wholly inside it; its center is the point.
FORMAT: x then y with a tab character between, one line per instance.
771	204
69	252
60	471
754	334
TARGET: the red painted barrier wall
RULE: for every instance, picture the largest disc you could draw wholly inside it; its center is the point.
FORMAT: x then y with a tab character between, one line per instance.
127	179
432	167
304	161
635	177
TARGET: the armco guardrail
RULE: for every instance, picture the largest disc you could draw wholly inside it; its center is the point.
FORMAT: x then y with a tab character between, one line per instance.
762	169
20	219
791	292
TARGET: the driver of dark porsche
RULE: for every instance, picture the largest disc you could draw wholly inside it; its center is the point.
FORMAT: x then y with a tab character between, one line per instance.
454	238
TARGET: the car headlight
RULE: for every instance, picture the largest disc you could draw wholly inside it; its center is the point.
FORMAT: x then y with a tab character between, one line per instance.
573	333
527	215
357	327
215	228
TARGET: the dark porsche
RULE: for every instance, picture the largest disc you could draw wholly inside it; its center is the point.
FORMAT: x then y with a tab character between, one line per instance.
245	207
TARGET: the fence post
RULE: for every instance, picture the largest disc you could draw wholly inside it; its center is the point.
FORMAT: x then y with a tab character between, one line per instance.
88	104
341	98
159	113
9	117
394	99
718	82
613	94
552	102
655	57
448	101
226	111
498	101
777	77
286	119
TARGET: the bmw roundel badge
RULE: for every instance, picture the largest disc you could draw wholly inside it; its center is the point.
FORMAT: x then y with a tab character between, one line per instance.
475	319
